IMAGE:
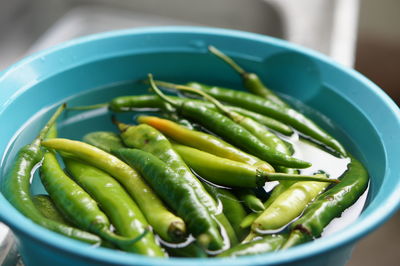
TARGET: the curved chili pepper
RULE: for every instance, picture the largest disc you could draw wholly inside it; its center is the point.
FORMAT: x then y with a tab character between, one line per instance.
287	115
268	243
251	81
17	187
73	201
202	141
329	205
178	194
230	173
231	207
166	224
123	212
234	133
287	206
148	139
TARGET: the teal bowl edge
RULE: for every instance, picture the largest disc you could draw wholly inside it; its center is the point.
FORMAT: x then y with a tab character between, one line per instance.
364	224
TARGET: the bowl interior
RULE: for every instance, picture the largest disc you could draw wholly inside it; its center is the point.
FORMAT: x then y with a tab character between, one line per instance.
99	68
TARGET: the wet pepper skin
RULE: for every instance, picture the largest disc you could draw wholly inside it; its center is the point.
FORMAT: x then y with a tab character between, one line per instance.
16	187
237	135
179	195
263	106
165	223
330	204
123	212
149	139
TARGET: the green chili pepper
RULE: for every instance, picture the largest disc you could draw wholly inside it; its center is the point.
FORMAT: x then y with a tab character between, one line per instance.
134	102
105	140
255	128
202	141
231	207
250	200
167	225
178	194
251	81
17	187
148	139
287	115
123	212
329	205
230	173
266	244
146	102
234	133
109	141
49	210
287	206
74	202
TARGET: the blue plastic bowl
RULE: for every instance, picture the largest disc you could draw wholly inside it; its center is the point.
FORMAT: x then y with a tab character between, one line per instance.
366	121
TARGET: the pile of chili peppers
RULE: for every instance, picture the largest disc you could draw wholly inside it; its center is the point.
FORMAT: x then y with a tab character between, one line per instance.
170	189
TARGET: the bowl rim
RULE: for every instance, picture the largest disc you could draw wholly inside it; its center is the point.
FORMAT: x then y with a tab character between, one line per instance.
362	227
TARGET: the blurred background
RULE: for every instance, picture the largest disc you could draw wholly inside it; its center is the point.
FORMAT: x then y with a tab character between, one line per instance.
363	34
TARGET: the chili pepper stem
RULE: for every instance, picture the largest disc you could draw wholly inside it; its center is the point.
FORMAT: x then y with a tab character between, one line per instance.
51	121
87	107
214	101
121	126
227	59
293	177
160	94
194	90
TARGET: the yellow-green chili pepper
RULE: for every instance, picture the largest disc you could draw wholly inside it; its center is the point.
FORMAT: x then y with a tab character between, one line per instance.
230	173
287	206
